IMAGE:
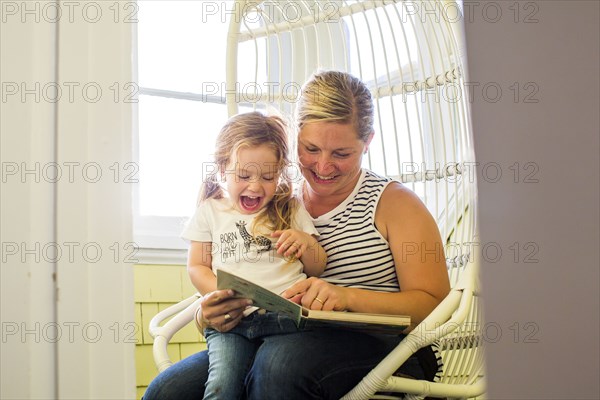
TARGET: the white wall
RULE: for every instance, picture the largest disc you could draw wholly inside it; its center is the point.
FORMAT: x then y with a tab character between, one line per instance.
547	311
65	307
27	289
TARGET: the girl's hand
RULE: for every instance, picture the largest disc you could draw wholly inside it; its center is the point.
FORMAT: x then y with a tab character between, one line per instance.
220	310
316	294
292	243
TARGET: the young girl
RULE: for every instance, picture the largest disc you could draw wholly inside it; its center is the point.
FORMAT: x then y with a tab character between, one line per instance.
248	223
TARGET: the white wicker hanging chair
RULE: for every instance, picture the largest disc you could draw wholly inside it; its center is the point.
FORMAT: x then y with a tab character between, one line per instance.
409	54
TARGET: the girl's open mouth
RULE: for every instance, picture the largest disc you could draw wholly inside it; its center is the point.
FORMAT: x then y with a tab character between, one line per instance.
250	203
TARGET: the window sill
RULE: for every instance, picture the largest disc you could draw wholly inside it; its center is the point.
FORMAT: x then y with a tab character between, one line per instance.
161	256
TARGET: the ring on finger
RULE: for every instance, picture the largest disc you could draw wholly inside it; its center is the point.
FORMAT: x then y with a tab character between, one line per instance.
319	300
226	316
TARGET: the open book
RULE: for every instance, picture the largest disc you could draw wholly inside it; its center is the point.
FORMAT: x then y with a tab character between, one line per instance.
308	319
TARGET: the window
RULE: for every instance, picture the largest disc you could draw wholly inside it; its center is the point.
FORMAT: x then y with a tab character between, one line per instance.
182	75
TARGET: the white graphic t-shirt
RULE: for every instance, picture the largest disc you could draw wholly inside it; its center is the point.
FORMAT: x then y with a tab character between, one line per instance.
238	248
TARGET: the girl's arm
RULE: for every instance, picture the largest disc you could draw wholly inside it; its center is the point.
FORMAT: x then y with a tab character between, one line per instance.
218	309
199	267
295	243
314	257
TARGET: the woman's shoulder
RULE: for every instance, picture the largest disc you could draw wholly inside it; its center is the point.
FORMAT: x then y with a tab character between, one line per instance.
401	212
398	201
396	191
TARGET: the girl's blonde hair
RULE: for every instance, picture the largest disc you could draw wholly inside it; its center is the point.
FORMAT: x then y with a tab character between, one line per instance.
251	130
335	96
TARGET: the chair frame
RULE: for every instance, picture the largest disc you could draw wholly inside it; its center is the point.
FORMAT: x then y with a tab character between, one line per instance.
456	322
445	318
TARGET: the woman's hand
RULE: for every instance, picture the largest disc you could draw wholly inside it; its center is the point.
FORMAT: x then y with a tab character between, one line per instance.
316	294
220	310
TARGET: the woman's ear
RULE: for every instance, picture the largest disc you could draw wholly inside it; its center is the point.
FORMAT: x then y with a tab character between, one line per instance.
368	142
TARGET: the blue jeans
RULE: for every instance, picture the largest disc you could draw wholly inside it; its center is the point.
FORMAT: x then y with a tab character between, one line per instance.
319	364
231	353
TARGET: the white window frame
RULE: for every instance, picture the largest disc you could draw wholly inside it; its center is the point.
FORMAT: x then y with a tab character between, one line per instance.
158	237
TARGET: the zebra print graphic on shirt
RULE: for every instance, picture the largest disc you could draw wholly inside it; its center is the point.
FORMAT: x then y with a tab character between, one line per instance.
357	255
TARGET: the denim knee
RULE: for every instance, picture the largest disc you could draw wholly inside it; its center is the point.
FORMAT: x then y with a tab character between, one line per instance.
184	380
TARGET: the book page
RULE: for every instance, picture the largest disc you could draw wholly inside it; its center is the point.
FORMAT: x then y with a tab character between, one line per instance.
382	319
261	297
309	319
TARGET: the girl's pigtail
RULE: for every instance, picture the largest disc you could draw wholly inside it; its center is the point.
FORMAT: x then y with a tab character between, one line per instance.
210	189
279	214
284	206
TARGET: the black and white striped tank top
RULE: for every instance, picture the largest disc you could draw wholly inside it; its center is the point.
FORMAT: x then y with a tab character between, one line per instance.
357	255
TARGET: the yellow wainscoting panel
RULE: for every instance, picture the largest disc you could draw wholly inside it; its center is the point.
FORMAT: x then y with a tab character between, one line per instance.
149	310
140	391
138	323
156	288
144	363
161	283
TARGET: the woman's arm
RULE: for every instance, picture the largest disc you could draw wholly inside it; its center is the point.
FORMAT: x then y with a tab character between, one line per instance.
418	254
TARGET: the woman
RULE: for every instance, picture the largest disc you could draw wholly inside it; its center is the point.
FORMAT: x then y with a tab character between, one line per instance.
365	223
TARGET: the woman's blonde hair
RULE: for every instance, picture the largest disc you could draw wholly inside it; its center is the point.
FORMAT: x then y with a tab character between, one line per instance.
251	130
338	97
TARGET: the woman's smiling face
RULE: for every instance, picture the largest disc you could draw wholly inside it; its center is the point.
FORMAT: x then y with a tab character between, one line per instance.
330	156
